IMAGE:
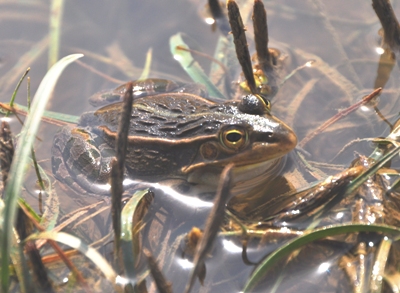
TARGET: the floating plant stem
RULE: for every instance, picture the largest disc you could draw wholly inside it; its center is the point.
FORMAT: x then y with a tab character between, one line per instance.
339	116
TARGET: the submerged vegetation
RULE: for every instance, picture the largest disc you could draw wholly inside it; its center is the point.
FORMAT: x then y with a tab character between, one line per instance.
328	220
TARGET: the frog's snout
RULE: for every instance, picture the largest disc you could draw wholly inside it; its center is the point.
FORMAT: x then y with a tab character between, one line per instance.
286	138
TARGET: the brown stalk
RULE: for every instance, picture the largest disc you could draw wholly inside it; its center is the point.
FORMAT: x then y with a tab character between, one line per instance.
261	36
6	150
117	170
162	284
240	41
214	221
339	116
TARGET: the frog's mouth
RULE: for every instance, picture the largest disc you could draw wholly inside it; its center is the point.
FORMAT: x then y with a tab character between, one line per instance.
262	150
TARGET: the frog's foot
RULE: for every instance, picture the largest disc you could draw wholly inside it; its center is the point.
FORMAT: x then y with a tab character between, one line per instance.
81	161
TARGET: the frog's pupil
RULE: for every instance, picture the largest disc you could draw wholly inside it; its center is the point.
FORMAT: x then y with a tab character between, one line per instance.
233	137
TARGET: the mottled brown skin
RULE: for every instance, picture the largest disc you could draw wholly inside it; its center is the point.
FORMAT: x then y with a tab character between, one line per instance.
172	135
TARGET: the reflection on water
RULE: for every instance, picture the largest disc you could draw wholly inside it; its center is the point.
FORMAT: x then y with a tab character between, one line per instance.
341	36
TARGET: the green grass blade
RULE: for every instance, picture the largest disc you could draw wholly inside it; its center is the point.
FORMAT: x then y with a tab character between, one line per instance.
147	65
16	89
261	271
55	30
192	68
17	257
129	246
21	158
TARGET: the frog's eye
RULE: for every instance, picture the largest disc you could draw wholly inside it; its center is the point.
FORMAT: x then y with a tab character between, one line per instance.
234	138
266	102
254	104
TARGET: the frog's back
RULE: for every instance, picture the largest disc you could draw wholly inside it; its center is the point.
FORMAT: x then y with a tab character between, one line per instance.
171	116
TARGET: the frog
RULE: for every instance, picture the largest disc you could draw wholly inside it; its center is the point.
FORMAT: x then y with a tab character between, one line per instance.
176	132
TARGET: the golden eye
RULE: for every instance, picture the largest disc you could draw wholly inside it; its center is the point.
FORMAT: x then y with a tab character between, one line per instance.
266	102
234	138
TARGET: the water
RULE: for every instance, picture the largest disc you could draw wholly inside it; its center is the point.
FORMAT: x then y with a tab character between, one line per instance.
341	35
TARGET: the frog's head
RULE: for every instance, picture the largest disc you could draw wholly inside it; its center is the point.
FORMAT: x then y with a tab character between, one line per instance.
184	135
250	137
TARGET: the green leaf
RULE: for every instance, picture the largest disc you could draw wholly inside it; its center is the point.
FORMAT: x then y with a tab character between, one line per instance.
261	271
191	66
131	217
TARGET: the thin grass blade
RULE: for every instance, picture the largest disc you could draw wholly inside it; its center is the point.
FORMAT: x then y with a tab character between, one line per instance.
191	66
21	158
129	242
147	65
85	249
57	7
261	271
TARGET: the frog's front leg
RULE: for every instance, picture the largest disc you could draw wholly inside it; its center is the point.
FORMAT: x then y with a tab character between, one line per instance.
311	201
82	160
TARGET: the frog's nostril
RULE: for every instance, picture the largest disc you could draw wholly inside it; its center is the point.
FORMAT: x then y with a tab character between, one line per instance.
269	137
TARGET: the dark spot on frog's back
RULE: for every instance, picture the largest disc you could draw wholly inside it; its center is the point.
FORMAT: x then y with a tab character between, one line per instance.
144	162
162	106
159	118
143	110
189	131
176	110
188	122
146	122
